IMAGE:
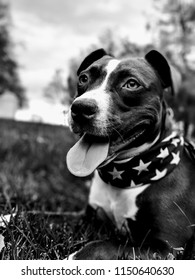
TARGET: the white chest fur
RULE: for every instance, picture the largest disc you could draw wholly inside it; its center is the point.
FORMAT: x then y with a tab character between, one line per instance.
119	204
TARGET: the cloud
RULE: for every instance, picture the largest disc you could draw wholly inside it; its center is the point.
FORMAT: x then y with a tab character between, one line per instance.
53	31
86	15
43	50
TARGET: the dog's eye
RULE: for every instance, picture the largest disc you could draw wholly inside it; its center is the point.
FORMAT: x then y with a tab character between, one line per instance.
131	84
83	79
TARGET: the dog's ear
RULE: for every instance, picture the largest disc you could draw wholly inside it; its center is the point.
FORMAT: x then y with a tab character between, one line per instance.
160	64
92	57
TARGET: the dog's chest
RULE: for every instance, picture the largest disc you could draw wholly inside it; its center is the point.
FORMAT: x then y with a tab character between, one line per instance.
118	204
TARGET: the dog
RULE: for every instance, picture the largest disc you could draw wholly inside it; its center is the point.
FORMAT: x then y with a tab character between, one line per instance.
144	179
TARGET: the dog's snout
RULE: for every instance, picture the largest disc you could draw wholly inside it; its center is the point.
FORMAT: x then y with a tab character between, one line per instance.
84	108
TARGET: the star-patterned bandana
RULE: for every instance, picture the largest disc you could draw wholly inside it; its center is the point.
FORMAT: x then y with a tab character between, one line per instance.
152	165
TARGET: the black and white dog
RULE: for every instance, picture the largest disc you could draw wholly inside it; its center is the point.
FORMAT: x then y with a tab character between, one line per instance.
144	178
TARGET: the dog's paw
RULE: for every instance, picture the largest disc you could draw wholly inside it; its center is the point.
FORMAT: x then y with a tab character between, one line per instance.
71	257
97	250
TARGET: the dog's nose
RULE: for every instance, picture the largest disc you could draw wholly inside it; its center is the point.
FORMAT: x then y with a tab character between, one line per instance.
84	109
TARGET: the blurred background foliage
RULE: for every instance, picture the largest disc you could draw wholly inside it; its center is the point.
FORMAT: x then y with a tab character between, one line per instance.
9	78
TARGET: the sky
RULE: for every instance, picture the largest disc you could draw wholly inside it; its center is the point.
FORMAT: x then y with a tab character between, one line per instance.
48	33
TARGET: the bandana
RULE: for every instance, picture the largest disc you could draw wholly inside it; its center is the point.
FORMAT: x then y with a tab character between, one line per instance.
142	170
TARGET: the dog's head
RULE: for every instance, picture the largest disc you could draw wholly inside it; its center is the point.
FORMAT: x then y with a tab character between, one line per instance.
119	101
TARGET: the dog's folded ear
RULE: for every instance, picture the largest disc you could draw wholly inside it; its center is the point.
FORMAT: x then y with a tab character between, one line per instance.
92	57
161	66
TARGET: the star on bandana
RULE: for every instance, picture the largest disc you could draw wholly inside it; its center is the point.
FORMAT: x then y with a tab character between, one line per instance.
176	158
159	174
142	166
175	142
182	141
133	185
116	174
163	153
168	138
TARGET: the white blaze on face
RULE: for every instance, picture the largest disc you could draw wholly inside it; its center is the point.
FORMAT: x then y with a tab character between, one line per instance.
111	66
86	155
100	95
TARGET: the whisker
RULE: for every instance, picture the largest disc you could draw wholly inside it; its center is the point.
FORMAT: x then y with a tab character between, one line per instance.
182	213
118	134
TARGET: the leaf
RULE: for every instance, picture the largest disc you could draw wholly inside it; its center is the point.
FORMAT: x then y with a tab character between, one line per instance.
2	244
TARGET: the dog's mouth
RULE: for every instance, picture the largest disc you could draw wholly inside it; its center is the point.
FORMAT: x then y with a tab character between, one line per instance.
128	141
92	150
87	154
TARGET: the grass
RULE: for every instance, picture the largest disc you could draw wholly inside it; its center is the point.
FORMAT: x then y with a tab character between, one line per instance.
34	177
34	180
33	167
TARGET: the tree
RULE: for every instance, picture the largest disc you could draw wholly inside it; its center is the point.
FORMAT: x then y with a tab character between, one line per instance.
9	78
56	90
174	29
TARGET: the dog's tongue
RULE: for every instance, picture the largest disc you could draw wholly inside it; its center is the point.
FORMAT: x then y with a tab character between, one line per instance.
86	155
